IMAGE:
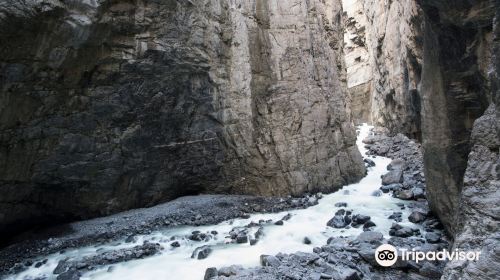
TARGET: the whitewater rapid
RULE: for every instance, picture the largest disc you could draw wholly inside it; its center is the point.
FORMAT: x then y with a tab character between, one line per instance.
176	263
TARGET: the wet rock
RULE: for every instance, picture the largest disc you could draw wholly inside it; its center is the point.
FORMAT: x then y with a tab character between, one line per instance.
242	238
360	219
307	241
341	204
197	236
369	162
416	217
61	267
245	216
201	252
259	233
369	224
393	177
279	223
266	260
253	242
377	193
391	187
396	216
210	273
175	244
69	275
131	239
286	217
340	220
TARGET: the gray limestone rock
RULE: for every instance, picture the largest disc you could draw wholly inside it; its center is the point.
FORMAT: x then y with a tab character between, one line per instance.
244	97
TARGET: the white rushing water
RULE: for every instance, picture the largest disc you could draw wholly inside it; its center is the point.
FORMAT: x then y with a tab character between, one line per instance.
176	263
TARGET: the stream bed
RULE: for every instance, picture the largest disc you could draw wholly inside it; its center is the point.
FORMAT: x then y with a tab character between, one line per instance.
176	262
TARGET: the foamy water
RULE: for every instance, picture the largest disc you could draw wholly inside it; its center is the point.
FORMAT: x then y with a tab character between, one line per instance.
176	263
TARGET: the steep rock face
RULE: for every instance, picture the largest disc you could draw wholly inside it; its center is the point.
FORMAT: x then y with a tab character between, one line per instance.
358	62
455	92
478	211
395	45
110	105
477	227
383	58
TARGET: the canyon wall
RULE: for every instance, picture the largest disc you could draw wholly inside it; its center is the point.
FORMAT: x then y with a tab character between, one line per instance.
461	144
429	69
455	92
112	105
383	47
478	212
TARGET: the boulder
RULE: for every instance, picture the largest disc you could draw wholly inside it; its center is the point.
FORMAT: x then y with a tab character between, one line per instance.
369	162
391	187
210	273
392	177
373	237
337	222
360	219
341	204
266	260
369	224
416	217
242	238
69	275
404	194
418	193
201	252
396	164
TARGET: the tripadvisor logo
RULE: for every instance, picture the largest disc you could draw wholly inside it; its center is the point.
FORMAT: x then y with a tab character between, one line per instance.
387	255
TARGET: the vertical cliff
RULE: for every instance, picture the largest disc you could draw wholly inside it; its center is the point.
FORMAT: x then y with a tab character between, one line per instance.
111	105
476	227
429	69
455	92
358	60
383	57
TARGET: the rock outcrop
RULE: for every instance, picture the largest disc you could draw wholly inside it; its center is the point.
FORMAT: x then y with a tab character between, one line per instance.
110	105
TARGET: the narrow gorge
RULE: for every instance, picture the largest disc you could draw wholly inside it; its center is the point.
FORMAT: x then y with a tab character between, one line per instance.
260	139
